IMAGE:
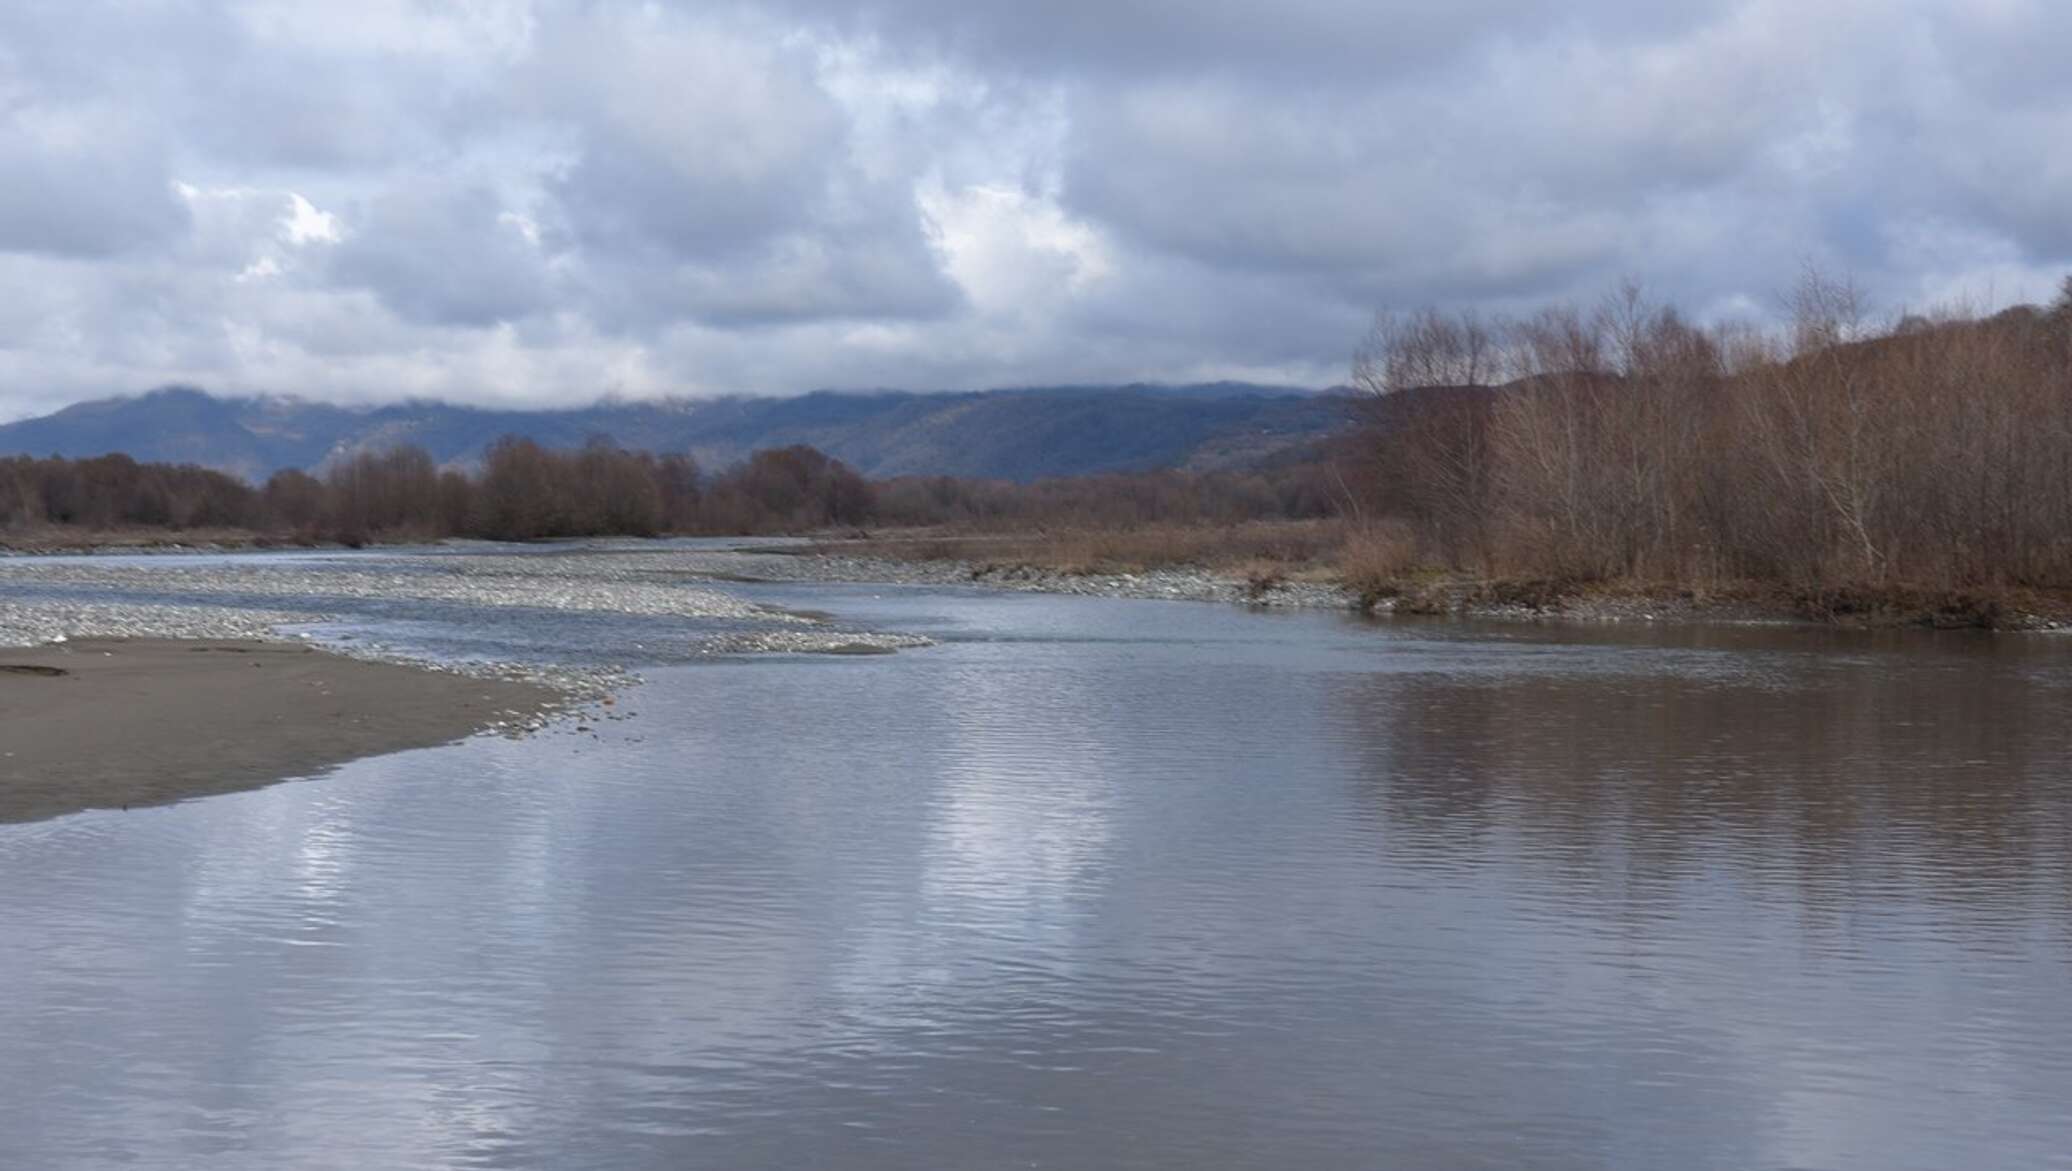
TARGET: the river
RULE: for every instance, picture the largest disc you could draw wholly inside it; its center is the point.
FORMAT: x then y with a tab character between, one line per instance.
1100	883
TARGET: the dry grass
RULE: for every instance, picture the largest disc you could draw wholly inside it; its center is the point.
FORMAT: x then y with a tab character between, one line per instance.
1942	609
1375	560
1382	562
58	538
1258	551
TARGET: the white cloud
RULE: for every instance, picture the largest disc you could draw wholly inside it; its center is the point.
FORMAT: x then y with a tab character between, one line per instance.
535	200
1012	252
305	224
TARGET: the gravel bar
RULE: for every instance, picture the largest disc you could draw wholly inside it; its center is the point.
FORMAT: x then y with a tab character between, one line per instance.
602	580
764	562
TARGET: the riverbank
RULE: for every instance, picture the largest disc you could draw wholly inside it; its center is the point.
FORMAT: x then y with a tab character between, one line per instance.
1274	565
1294	565
116	723
65	540
113	702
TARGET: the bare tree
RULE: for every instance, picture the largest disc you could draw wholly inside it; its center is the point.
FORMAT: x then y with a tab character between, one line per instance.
1427	348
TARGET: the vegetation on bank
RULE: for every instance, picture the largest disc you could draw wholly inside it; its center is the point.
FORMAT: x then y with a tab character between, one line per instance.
1922	468
1262	553
1919	471
1619	458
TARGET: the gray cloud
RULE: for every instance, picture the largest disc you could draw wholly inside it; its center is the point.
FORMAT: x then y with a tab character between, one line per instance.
718	179
444	256
541	200
695	140
1330	42
83	182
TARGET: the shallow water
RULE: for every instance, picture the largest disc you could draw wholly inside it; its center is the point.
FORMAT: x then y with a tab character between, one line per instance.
1099	883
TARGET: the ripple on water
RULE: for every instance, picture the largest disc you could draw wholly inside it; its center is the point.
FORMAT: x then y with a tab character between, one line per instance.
1098	884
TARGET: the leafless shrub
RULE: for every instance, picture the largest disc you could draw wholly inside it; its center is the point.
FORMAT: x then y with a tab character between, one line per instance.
1630	444
1376	559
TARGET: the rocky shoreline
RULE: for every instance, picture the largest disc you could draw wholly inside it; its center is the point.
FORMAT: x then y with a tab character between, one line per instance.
1169	585
280	597
48	623
271	595
1456	597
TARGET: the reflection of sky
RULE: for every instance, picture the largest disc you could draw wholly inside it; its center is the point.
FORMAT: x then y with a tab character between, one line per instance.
1196	888
1021	825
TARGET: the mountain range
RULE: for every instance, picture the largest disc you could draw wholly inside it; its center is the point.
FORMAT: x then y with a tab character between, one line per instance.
1019	434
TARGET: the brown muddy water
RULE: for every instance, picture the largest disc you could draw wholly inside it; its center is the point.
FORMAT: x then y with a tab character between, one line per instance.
1104	884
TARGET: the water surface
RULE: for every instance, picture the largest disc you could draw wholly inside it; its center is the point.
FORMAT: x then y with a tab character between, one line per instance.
1101	884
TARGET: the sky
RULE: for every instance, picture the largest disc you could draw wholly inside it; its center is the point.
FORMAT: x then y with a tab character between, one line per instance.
548	201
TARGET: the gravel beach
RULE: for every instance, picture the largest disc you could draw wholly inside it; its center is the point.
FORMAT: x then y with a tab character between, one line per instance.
127	681
269	595
799	561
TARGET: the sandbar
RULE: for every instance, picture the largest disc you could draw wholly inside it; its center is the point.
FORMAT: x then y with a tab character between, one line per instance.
115	723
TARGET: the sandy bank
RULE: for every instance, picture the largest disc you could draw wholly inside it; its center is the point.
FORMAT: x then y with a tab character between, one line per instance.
107	723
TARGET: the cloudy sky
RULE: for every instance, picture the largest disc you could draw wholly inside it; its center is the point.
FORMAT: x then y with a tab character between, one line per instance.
548	200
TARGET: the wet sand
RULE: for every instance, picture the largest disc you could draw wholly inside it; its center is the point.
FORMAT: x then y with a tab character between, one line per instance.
100	724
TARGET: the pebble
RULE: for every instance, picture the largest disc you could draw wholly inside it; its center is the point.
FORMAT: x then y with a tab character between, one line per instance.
1178	584
33	623
811	642
601	580
534	581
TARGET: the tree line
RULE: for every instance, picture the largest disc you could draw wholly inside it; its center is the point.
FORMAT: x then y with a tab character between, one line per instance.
520	491
523	491
1301	489
1622	441
115	491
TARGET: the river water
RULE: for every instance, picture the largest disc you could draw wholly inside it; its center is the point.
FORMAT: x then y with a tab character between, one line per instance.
1101	883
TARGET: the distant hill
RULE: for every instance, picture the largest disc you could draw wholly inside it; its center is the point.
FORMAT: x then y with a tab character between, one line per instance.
1020	434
